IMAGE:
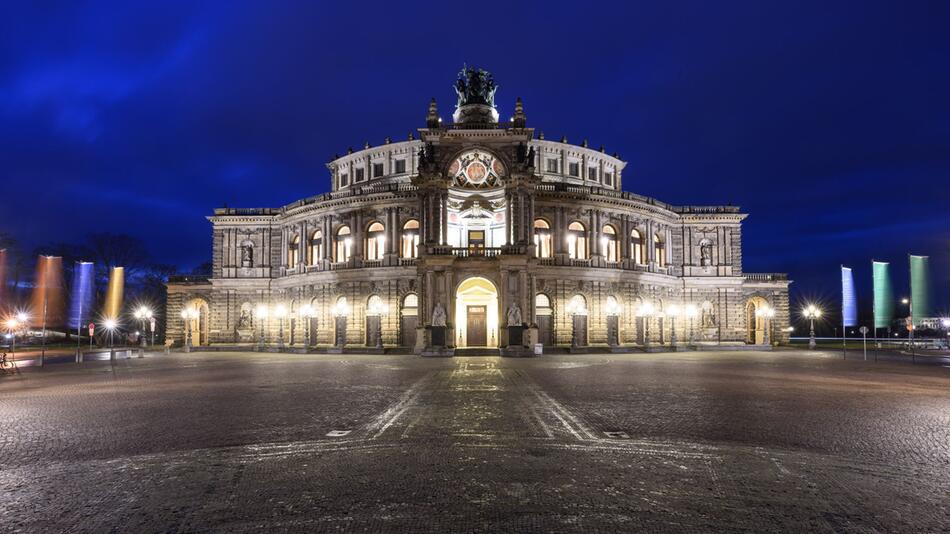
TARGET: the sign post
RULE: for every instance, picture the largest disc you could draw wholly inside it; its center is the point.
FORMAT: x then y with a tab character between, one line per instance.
864	332
92	332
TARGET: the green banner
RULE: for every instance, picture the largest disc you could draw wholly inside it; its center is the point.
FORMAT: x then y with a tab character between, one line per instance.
883	294
920	288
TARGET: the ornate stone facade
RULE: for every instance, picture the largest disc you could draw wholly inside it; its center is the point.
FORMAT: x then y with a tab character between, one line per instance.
471	220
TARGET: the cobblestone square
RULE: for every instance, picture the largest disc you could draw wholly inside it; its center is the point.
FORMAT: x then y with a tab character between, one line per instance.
244	442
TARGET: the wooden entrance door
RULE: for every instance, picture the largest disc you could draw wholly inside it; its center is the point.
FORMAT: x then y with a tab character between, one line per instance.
477	329
545	330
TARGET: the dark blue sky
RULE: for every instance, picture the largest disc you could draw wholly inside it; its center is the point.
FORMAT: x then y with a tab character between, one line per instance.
829	122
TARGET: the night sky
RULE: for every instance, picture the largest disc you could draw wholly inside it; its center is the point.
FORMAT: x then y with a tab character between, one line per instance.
828	122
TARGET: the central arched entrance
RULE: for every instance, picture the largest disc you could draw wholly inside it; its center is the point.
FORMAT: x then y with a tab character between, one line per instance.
476	313
755	323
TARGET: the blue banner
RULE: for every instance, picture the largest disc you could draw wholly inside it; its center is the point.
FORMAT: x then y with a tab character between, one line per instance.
849	303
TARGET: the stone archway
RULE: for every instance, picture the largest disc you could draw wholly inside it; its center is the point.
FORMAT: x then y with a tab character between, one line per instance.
755	324
476	313
200	326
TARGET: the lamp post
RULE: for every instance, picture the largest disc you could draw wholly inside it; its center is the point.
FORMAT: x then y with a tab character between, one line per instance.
280	311
188	315
646	311
945	323
12	325
260	313
691	312
612	310
766	313
673	312
378	308
306	313
340	311
144	315
110	325
811	312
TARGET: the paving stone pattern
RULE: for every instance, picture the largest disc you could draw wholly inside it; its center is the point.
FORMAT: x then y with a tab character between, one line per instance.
727	442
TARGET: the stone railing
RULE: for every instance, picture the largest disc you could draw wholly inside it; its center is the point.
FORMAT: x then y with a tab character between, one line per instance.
476	252
766	277
184	279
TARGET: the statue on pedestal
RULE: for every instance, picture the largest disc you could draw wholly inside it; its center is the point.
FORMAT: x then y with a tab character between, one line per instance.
438	315
514	315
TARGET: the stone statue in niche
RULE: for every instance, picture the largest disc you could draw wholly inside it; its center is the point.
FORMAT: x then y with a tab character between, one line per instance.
244	321
514	315
247	255
438	315
709	317
705	253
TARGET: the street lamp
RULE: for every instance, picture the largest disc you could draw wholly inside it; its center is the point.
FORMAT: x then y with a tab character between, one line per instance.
188	315
13	324
110	325
766	313
280	311
673	312
340	311
307	313
691	312
812	312
378	308
646	311
260	313
144	315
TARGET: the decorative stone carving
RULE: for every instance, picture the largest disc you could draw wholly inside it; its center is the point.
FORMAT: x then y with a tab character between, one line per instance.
705	253
438	315
514	315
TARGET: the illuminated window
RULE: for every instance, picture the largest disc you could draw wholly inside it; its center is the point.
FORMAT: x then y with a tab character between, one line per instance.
608	243
577	305
577	241
293	252
542	304
375	241
542	238
409	247
316	247
660	248
636	247
344	244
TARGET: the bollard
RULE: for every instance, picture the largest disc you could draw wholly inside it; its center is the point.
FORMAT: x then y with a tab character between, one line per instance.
112	355
141	352
79	356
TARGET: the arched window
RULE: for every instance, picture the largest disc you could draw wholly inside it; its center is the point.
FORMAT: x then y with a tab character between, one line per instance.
410	239
608	243
375	305
612	306
341	308
660	248
577	241
375	241
293	252
316	247
577	305
542	238
410	305
542	304
344	244
636	247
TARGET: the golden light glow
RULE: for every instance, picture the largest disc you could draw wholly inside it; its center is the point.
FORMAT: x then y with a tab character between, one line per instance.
476	291
113	304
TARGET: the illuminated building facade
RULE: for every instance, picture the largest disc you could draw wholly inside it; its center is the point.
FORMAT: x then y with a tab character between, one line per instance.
479	224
